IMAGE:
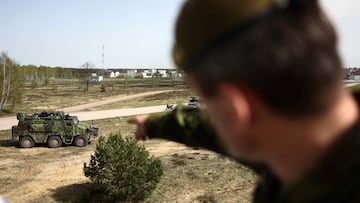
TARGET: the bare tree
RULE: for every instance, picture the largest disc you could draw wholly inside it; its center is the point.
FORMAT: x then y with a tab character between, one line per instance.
87	65
4	82
11	80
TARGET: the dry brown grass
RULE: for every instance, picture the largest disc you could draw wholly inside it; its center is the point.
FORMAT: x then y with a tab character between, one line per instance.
41	174
179	96
66	93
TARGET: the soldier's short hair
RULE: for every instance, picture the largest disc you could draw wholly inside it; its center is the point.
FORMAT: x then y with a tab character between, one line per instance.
287	55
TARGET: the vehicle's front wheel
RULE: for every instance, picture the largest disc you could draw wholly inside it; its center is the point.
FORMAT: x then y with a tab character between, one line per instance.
26	142
81	141
54	142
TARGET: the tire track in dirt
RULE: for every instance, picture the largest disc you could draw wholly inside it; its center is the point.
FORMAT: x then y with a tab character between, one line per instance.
65	171
46	176
43	177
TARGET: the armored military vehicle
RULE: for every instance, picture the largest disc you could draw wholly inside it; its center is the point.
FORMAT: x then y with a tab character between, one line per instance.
54	128
194	102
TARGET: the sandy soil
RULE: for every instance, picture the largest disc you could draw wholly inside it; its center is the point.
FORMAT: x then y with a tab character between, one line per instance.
46	177
42	173
42	178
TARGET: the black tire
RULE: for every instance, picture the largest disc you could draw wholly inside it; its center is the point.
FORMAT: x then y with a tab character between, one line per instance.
81	141
26	142
54	142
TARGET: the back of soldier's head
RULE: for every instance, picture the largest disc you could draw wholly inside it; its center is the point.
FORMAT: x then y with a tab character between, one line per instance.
284	50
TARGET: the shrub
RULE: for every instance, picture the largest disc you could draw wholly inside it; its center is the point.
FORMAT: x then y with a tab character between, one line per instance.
46	81
123	170
34	84
103	88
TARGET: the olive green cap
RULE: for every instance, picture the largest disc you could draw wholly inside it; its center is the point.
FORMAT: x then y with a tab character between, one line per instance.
200	22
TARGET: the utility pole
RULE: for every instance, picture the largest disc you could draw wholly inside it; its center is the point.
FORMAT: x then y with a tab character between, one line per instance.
103	55
88	76
103	87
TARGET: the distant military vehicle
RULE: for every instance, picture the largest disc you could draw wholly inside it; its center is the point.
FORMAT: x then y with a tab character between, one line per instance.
53	128
194	102
170	107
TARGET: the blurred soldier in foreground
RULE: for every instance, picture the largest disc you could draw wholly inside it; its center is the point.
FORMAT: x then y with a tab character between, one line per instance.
270	76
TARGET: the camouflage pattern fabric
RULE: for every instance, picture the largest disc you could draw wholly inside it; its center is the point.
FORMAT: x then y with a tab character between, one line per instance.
334	180
184	125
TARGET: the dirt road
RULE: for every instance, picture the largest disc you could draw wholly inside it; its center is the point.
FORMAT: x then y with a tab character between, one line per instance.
54	168
110	100
7	122
351	84
42	174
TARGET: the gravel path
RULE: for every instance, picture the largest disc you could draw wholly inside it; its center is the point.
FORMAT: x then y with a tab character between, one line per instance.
110	100
7	122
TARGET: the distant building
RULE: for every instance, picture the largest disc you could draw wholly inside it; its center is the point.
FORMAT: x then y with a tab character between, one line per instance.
163	73
147	74
174	74
351	74
131	73
143	73
95	78
114	74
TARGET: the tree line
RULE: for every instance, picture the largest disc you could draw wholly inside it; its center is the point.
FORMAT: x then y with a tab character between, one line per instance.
33	72
13	77
12	82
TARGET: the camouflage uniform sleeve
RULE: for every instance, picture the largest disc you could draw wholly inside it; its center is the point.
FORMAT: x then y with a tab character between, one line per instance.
190	127
184	125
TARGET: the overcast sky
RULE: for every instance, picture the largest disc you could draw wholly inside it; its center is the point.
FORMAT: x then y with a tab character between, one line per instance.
135	33
346	17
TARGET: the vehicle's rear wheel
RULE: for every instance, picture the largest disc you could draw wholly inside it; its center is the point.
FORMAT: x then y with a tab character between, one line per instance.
81	141
26	142
54	142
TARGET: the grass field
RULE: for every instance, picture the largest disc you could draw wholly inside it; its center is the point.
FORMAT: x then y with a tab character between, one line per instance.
41	174
64	93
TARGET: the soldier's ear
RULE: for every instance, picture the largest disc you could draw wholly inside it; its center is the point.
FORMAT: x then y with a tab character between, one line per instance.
237	102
